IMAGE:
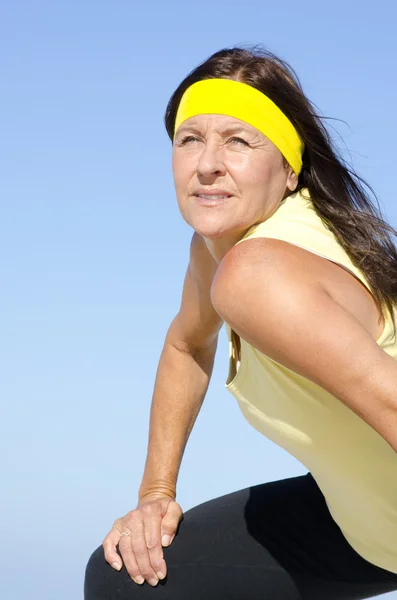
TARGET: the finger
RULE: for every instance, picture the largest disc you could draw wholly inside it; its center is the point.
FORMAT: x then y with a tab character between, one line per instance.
170	523
167	539
140	550
126	551
152	518
109	546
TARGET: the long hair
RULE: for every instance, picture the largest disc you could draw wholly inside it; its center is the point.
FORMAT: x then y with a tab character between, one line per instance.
340	197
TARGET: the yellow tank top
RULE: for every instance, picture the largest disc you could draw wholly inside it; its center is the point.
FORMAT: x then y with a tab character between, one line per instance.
352	464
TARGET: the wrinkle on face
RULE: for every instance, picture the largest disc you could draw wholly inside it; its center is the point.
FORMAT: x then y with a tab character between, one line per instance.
255	175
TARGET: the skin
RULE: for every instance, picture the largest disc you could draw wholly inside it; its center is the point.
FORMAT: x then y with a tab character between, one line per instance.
253	287
255	173
252	277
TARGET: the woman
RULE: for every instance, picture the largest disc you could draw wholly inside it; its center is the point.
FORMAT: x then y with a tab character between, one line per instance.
290	254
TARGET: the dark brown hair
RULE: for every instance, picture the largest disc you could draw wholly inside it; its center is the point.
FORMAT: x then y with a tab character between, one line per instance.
340	197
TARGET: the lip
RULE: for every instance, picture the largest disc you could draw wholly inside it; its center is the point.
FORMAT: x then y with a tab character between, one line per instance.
212	201
212	192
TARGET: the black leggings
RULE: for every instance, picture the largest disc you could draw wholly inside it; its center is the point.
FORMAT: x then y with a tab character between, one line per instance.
275	541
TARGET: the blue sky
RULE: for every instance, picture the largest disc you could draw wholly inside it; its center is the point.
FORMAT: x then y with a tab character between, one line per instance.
94	249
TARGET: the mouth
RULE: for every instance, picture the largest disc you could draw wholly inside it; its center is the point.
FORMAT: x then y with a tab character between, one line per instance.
212	199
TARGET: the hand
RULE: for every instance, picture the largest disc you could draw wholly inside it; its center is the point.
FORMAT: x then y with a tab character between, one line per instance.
150	526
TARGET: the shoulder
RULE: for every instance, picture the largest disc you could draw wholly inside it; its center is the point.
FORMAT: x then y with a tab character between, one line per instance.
263	258
263	268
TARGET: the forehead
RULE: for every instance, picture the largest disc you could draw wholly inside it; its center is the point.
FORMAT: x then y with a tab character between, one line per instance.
220	123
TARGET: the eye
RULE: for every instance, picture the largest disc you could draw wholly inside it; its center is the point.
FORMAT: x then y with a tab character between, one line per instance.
189	138
186	139
240	140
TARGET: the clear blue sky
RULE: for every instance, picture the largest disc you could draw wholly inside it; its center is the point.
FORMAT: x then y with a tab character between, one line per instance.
93	249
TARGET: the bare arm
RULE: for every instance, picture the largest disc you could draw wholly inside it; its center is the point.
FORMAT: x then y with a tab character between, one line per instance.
182	380
183	375
263	283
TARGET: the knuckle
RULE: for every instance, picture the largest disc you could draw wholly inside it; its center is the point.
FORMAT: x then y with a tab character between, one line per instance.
152	543
148	573
107	547
143	565
157	564
149	508
107	555
134	516
105	543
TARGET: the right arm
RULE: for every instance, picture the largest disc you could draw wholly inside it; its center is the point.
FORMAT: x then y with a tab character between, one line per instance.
182	379
183	374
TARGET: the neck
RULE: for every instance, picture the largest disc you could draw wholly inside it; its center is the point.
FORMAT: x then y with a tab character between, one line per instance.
218	248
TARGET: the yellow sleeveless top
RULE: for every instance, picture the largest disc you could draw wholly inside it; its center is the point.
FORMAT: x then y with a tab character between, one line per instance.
352	464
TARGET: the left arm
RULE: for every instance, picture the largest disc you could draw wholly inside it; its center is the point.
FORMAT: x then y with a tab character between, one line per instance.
286	313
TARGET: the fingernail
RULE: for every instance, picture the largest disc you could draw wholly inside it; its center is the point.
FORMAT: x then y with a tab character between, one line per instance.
166	540
138	579
153	582
116	565
160	575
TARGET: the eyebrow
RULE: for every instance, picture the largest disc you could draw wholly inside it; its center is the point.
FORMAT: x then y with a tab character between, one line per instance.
227	131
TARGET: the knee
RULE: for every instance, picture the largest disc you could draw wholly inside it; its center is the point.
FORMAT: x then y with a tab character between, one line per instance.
101	581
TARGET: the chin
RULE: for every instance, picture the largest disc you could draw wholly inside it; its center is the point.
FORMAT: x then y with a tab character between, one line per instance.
211	229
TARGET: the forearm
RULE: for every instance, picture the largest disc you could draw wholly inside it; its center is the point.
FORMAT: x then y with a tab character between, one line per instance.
181	383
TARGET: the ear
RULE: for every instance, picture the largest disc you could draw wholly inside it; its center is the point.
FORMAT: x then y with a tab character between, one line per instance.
292	180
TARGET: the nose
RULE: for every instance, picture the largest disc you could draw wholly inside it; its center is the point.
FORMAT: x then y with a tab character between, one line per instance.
210	161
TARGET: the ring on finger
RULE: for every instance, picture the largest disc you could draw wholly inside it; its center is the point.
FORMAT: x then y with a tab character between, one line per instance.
125	533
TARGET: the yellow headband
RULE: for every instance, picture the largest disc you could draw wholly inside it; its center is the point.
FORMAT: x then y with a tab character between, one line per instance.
244	102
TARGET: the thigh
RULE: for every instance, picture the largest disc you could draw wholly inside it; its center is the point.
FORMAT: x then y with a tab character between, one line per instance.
212	557
274	540
291	519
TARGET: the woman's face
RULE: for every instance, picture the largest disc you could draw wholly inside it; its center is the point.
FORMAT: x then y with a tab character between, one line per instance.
212	152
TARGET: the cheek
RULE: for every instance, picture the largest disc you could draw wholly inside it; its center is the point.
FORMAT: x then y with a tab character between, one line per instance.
254	174
268	172
256	164
181	173
175	169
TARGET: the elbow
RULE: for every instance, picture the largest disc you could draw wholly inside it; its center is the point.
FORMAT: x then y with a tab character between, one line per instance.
386	426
